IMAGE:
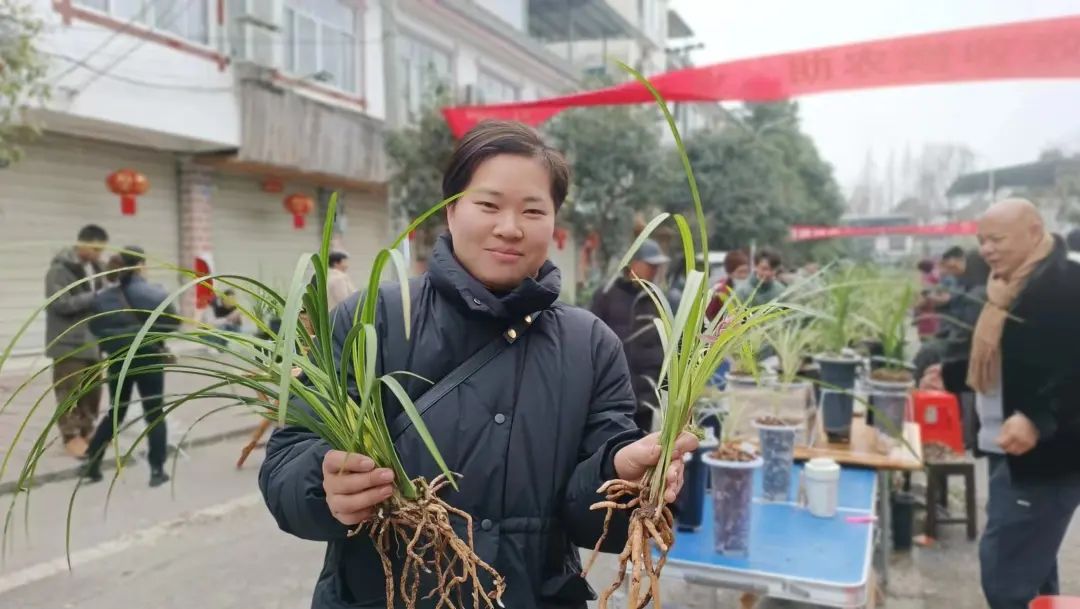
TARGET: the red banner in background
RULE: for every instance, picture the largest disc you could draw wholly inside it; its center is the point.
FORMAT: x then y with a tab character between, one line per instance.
1035	49
812	233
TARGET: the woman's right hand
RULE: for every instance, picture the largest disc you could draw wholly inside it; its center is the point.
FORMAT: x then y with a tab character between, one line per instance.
354	487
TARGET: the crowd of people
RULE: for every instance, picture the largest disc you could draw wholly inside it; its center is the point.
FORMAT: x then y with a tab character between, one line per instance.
998	324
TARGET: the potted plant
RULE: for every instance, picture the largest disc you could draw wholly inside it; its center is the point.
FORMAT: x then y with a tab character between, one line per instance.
837	362
731	469
747	371
891	381
694	347
789	407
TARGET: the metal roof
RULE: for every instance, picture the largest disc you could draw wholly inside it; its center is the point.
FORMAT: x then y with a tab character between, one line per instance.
1028	175
573	20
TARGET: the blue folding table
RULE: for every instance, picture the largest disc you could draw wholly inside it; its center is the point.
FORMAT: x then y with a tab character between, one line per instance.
792	555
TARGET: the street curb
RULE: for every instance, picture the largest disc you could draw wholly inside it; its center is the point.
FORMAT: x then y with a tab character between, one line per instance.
70	473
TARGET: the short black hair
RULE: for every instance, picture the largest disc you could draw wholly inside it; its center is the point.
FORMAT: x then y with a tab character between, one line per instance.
92	233
953	253
769	255
492	138
1073	240
336	258
926	266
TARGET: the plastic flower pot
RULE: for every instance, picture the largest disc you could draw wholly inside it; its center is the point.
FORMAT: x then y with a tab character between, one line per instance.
794	402
889	401
837	403
777	443
690	504
732	491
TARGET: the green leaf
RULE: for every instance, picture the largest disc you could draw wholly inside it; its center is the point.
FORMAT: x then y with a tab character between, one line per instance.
418	423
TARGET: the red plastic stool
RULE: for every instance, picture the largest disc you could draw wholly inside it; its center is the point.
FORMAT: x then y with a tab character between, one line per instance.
1055	602
938	416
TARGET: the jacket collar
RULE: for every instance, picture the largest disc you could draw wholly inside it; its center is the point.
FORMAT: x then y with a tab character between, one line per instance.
455	283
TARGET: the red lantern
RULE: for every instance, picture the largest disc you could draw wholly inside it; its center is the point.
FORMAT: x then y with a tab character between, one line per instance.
560	237
299	206
129	184
273	185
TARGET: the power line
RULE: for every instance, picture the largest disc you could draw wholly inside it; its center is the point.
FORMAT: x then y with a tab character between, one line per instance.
108	40
138	82
168	9
226	38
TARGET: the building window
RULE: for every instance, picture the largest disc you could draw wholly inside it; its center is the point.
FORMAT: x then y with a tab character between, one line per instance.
320	42
187	20
491	89
424	71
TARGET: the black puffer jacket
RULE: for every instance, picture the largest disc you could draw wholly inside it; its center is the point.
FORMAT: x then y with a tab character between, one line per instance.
534	434
118	328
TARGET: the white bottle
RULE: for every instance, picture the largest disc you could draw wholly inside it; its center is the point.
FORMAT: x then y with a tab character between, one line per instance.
822	486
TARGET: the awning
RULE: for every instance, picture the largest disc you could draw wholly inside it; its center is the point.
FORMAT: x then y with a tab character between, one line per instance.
573	20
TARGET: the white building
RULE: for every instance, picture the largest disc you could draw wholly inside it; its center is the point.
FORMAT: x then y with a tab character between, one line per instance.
228	106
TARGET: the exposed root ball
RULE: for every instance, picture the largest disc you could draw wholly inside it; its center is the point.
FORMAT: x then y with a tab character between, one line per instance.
431	547
651	527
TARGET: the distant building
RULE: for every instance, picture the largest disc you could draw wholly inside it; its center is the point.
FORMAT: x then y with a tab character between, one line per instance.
1052	183
884	248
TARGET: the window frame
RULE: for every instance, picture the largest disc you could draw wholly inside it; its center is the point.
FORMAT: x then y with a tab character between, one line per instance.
482	72
150	26
291	50
411	37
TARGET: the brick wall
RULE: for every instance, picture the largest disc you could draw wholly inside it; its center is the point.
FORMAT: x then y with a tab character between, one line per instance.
196	185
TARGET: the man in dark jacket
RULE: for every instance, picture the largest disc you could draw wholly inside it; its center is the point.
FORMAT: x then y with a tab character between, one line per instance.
1025	370
67	337
626	308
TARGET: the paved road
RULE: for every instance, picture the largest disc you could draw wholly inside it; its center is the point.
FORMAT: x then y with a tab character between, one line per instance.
212	546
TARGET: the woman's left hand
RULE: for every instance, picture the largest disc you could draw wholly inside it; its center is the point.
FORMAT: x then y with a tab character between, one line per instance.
633	460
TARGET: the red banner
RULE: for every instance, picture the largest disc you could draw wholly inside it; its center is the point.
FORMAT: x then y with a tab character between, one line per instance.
1035	49
812	233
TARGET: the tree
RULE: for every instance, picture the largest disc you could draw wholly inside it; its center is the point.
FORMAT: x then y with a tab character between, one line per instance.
22	76
757	177
617	163
418	154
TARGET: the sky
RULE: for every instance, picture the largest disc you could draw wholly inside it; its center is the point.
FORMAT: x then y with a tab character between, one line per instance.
1003	122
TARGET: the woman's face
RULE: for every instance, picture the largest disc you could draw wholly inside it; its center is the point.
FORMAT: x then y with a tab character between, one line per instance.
503	225
742	272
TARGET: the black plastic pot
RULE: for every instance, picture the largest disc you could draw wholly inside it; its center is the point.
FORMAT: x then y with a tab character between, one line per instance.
690	503
903	520
889	400
837	402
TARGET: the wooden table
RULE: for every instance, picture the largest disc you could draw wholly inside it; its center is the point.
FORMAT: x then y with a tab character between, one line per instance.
869	447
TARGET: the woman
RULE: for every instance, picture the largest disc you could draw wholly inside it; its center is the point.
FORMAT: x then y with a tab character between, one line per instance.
737	267
117	329
926	321
534	432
